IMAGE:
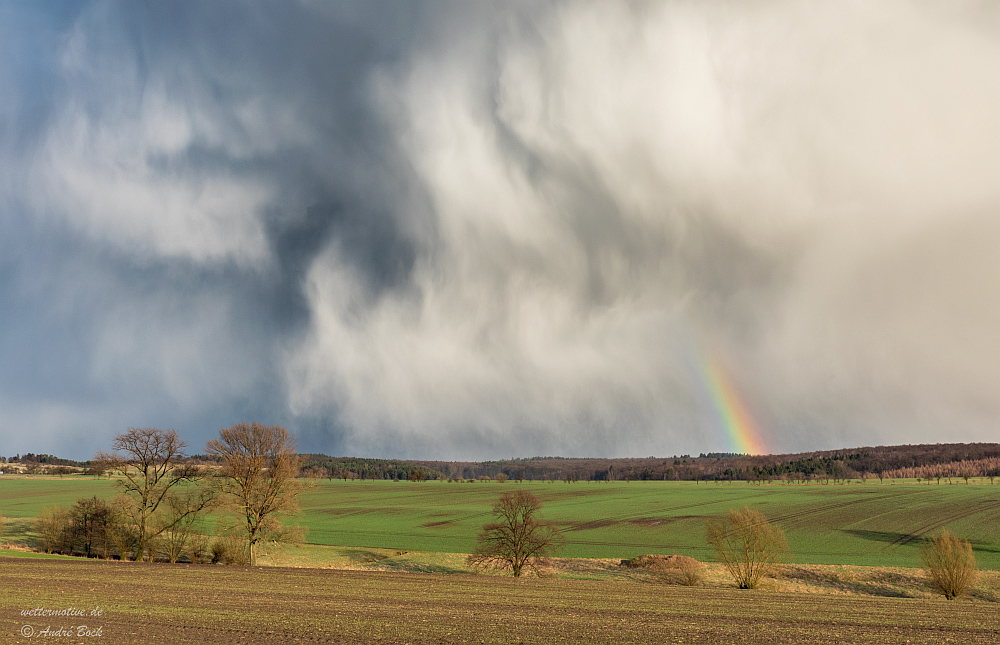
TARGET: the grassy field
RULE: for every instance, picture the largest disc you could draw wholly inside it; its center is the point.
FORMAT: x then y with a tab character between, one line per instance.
157	603
872	524
25	496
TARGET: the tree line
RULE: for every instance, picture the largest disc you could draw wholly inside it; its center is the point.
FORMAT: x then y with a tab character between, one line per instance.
925	460
858	463
43	458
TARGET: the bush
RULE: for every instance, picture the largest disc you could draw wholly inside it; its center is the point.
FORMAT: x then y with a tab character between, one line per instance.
950	564
199	550
155	548
748	545
55	530
230	545
230	549
688	572
654	562
120	535
672	569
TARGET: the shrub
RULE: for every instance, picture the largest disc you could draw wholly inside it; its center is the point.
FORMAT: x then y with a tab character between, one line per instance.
199	550
653	562
155	547
230	543
673	569
950	564
55	530
683	571
122	536
748	545
230	549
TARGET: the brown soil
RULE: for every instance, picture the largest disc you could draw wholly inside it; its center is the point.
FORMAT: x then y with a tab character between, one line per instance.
160	603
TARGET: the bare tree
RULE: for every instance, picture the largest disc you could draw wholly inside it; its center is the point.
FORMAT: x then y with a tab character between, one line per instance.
517	540
748	545
97	469
149	468
950	564
258	478
89	520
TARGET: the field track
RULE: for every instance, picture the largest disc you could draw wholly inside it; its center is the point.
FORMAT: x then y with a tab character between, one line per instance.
927	528
178	604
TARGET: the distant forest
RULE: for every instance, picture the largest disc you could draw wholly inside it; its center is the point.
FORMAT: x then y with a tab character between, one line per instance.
928	461
886	462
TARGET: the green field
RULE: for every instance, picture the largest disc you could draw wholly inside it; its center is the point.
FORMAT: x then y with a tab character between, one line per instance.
870	525
24	496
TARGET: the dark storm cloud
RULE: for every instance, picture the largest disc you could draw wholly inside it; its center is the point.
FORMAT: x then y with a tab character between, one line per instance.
461	229
113	318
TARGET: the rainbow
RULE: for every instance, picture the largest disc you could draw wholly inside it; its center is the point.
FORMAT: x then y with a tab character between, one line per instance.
742	433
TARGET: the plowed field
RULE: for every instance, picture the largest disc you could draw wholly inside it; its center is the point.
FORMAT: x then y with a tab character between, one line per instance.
153	603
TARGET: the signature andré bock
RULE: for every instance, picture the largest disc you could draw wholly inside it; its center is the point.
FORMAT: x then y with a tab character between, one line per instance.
79	631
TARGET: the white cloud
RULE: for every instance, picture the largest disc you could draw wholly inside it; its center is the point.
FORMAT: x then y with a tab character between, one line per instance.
609	177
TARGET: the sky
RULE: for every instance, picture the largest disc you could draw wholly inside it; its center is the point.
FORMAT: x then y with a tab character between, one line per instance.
479	230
